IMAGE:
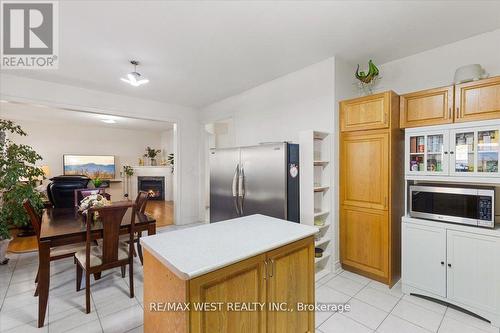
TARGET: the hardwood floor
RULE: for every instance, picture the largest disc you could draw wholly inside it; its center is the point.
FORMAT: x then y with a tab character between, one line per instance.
22	244
163	211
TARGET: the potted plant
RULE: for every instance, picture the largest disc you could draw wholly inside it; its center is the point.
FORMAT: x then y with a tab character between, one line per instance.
170	160
97	182
18	178
151	154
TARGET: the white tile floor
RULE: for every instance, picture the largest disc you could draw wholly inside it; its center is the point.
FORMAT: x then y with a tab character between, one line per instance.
374	308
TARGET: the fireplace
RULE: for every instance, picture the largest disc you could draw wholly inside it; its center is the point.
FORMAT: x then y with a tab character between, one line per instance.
155	186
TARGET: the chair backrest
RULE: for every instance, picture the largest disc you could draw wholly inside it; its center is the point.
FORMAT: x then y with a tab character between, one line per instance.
141	201
36	220
111	218
81	193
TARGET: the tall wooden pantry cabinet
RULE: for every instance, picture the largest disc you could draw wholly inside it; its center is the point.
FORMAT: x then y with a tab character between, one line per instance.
371	186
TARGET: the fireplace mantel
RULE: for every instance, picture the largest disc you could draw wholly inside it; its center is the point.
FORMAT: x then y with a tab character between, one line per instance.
141	171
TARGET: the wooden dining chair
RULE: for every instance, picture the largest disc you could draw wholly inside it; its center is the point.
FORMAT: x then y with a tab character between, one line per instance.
82	193
112	253
140	203
56	253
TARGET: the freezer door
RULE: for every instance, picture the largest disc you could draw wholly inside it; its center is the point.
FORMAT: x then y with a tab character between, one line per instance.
263	180
224	171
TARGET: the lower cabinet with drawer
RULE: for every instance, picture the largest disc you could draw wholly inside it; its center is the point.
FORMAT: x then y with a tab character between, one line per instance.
453	263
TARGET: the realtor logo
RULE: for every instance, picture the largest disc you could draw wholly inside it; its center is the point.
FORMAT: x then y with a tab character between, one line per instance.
29	35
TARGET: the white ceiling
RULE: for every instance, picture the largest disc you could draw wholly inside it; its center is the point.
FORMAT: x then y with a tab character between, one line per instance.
198	52
45	115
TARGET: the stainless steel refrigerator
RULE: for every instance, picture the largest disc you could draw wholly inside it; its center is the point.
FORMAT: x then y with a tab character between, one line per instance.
261	179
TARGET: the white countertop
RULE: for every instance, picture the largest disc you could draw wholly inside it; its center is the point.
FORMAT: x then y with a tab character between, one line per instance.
195	251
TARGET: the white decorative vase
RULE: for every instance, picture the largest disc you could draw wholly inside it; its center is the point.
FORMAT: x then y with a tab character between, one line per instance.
4	244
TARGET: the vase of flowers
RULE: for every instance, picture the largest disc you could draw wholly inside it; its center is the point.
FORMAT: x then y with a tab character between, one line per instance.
92	201
151	153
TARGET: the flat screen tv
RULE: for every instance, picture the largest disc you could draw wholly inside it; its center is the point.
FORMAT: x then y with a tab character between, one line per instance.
93	166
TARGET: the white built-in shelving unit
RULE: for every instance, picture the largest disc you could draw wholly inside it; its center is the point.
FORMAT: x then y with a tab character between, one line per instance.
316	195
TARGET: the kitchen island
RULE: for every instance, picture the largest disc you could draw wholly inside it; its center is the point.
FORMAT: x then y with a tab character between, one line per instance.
249	274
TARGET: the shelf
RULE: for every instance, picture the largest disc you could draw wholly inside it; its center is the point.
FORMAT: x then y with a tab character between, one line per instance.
320	163
320	135
318	213
488	151
321	188
325	256
322	241
434	153
417	153
320	227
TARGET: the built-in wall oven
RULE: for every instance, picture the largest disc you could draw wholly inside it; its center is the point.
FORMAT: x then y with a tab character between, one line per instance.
464	205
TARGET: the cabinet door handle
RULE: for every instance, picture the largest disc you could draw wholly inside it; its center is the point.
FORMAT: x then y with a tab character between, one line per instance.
272	267
449	265
442	263
265	269
458	112
446	153
452	152
449	112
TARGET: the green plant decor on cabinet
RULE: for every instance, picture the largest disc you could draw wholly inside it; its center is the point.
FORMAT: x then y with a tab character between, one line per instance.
18	178
366	81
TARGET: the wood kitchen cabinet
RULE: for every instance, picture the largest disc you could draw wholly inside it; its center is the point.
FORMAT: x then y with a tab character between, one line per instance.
370	112
470	101
225	285
291	268
365	240
283	275
371	187
364	169
478	100
427	107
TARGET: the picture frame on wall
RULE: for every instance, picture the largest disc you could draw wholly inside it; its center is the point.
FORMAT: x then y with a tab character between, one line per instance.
92	166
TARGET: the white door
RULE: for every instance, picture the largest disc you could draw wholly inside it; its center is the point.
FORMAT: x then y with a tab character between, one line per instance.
473	266
424	256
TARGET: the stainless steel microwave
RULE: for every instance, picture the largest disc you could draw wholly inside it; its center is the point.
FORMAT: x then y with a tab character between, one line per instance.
472	206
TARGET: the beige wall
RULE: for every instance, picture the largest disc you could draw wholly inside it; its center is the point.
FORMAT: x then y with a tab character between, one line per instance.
53	141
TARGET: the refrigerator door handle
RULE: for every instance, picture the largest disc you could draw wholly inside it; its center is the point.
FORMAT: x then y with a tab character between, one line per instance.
235	188
241	188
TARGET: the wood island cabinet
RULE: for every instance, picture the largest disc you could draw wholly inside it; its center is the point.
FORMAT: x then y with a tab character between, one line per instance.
283	275
371	189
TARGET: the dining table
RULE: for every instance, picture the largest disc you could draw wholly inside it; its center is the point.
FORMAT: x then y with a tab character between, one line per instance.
65	226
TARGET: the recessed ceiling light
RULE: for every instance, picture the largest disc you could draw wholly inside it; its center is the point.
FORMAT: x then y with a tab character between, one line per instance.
108	121
135	78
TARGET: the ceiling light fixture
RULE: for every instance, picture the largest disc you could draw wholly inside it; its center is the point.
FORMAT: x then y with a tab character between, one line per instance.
108	121
135	78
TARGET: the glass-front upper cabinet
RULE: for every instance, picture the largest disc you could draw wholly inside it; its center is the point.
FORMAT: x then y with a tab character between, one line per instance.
475	151
427	153
487	151
464	151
